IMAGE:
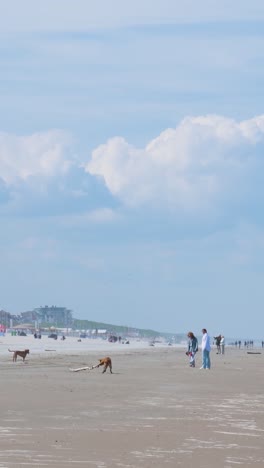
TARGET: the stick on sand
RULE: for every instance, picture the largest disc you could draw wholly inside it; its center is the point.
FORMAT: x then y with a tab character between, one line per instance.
83	368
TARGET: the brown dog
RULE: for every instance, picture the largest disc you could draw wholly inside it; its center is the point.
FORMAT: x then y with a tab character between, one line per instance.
106	362
22	354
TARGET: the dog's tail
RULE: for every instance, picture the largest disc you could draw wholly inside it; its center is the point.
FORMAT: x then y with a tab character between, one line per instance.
11	350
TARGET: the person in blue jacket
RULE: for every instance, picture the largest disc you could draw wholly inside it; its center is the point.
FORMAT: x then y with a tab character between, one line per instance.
192	348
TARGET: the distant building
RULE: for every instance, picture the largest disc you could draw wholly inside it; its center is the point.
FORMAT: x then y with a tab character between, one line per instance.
98	332
5	318
28	317
57	316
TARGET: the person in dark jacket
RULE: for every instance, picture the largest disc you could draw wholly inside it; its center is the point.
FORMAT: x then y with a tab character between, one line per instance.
217	342
192	348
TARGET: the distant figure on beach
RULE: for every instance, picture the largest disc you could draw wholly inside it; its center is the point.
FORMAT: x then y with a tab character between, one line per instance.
192	348
222	344
206	348
217	342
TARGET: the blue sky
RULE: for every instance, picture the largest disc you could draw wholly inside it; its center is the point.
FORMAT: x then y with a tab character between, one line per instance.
131	162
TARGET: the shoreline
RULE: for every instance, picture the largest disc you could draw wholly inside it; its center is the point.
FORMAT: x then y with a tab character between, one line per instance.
45	345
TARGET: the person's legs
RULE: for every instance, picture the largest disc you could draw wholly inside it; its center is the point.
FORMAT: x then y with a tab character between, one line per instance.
207	360
192	359
203	359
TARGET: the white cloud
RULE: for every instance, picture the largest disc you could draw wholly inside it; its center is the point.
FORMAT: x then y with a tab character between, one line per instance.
40	154
41	176
191	165
204	162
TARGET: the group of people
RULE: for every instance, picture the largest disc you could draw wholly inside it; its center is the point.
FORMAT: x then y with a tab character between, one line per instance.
247	344
193	348
37	335
220	344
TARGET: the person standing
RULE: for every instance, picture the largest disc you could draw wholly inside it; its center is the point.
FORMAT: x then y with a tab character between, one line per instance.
192	348
217	342
206	348
222	344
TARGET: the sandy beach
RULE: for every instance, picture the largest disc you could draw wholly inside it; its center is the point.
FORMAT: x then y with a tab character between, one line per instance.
153	411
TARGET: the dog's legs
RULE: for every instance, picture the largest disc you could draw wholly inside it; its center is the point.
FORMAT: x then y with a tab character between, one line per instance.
106	367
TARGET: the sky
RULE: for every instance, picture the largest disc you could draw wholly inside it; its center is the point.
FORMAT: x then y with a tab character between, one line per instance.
131	162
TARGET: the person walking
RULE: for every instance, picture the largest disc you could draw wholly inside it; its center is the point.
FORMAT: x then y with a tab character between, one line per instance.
192	348
222	344
206	348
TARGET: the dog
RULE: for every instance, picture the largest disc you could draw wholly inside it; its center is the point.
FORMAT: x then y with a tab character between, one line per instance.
106	362
22	354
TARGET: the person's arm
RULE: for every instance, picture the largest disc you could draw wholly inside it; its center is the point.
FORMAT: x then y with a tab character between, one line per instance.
208	344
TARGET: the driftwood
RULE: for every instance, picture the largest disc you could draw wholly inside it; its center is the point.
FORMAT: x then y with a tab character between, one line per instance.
83	368
252	352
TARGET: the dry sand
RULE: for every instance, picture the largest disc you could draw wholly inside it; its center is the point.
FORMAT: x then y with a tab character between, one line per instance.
153	411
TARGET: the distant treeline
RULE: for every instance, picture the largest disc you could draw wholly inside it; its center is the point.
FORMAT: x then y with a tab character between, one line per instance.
119	329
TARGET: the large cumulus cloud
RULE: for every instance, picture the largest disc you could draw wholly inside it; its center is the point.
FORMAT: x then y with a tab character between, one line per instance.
41	175
207	164
43	153
203	160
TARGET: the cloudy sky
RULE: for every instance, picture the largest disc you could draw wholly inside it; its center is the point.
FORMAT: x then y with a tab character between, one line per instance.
131	161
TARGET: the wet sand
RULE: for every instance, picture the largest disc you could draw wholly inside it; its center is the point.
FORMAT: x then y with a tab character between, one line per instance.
153	411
